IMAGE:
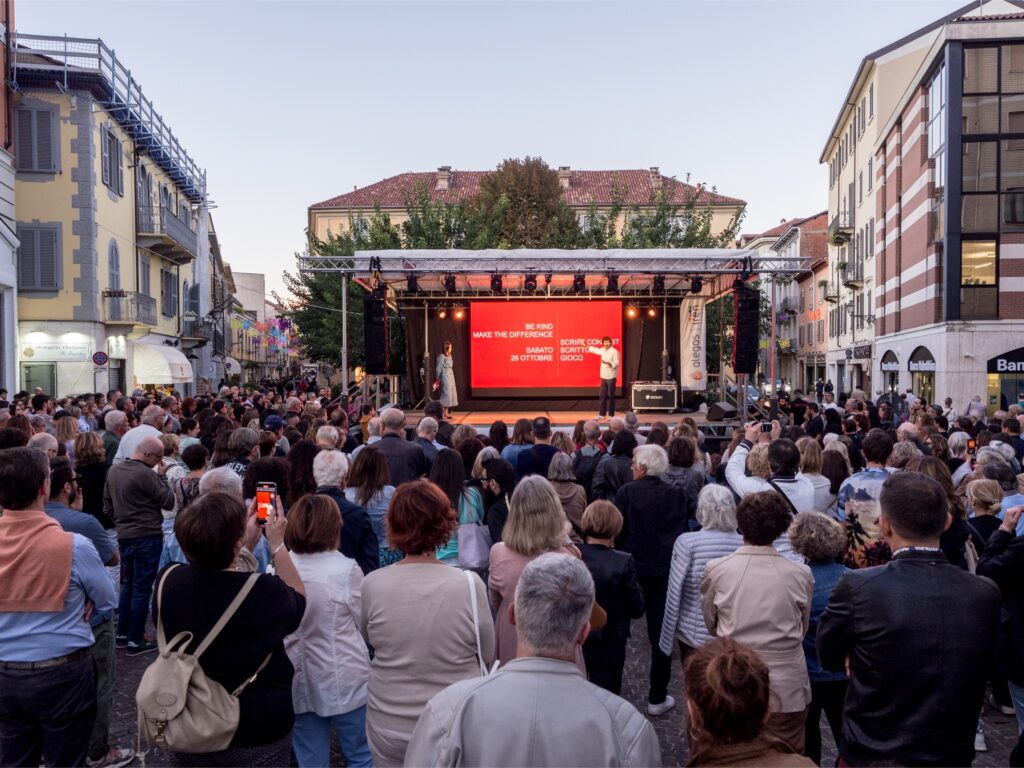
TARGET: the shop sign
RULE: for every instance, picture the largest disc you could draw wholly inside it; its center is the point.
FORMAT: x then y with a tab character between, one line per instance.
890	363
56	351
1008	362
863	352
922	361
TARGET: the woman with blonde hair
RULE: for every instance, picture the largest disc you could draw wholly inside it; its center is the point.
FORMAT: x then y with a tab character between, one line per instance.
477	473
840	447
66	430
985	497
757	461
810	467
462	433
562	442
536	524
570	493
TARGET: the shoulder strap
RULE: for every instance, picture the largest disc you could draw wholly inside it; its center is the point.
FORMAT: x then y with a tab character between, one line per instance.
476	621
785	498
161	638
228	613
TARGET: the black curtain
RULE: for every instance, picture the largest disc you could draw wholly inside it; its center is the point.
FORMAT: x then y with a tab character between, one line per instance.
642	345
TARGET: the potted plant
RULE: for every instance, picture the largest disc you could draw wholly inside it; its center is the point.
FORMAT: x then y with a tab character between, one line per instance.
841	265
823	284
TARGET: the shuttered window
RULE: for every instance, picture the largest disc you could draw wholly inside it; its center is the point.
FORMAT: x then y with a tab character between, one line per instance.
144	275
168	293
39	261
37	140
112	160
114	267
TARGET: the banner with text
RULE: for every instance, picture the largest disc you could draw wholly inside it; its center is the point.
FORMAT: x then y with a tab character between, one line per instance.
693	365
526	348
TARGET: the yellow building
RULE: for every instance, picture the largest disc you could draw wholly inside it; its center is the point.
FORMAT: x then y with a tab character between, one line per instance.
111	265
581	190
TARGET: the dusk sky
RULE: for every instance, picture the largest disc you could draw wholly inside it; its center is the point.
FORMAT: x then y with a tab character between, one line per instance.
289	103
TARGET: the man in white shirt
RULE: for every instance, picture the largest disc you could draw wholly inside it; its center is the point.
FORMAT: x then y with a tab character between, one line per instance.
153	419
609	372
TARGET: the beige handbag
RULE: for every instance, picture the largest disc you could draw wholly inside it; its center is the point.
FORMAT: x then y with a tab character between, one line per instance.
180	708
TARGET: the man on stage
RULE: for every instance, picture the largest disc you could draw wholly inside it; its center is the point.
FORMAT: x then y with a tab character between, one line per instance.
609	371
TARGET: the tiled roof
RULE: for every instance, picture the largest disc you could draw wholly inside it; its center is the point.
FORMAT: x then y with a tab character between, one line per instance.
993	17
585	188
817	221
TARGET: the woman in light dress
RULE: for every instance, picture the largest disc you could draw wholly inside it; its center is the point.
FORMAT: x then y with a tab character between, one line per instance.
448	395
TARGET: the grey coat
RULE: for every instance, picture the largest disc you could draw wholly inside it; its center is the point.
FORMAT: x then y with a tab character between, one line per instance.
448	395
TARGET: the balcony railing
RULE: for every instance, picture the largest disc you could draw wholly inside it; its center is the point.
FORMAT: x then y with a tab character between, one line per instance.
853	276
165	233
128	308
788	304
840	230
196	329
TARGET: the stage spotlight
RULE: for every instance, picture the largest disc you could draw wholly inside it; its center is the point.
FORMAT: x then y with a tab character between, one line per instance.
496	283
442	313
459	313
449	283
530	282
613	283
652	312
547	278
412	284
659	284
579	283
696	285
631	311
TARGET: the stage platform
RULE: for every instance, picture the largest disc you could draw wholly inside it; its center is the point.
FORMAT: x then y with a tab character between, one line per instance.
565	421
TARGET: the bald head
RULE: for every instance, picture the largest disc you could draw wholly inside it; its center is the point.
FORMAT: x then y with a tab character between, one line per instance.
393	421
149	452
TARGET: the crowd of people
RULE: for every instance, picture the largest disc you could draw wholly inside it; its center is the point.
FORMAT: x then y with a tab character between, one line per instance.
435	594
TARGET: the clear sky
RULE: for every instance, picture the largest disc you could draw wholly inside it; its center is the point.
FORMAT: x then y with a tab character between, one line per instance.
288	103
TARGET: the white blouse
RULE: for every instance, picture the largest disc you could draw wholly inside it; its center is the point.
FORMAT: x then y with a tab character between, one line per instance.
332	663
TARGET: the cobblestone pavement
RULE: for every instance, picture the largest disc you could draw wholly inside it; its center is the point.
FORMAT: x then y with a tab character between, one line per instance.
1000	730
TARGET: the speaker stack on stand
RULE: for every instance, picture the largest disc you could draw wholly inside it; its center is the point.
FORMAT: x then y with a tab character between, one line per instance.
375	332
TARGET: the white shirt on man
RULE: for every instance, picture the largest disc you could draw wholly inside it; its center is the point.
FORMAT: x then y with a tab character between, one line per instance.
609	361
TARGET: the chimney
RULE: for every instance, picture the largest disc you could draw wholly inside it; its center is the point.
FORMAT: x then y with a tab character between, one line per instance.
563	176
655	177
444	175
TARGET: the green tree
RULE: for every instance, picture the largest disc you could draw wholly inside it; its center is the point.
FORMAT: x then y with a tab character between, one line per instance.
433	225
520	205
667	223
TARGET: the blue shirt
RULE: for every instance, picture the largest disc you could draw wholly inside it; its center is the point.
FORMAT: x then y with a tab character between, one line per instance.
826	574
1013	500
171	553
74	521
37	636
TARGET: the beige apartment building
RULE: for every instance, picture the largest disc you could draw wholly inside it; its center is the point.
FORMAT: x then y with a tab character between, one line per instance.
581	190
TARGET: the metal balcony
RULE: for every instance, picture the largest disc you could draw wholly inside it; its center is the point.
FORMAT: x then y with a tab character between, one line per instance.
128	308
853	277
789	304
163	232
786	346
840	230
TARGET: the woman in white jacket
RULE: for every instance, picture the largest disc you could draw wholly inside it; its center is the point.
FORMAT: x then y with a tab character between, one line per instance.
332	664
684	618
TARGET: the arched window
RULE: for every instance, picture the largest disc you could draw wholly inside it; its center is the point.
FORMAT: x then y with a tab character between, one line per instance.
113	266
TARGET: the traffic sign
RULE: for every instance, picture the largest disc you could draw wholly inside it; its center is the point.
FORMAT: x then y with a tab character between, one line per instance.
100	358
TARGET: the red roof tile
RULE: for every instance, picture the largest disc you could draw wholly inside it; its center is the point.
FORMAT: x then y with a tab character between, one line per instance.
585	188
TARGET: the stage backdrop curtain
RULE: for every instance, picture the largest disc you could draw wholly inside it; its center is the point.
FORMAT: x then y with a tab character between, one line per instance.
642	345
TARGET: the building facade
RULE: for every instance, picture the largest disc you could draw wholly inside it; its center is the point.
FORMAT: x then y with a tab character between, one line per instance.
110	262
581	190
8	228
950	177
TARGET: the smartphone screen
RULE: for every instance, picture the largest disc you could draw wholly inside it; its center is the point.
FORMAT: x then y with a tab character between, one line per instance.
971	445
266	500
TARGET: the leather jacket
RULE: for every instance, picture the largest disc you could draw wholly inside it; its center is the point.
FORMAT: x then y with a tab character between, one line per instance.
920	635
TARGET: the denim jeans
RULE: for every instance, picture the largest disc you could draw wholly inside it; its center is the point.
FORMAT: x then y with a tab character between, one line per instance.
1017	696
311	739
139	558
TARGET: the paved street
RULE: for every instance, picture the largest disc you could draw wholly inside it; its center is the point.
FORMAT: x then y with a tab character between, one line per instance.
1000	730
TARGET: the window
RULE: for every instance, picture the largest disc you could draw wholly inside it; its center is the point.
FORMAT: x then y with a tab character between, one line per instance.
979	291
801	335
871	101
863	114
144	267
112	160
37	143
871	171
937	145
113	267
39	258
860	187
168	293
821	330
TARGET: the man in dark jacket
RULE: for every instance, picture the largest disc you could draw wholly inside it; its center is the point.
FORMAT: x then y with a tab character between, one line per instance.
536	460
358	541
499	480
405	460
435	410
917	635
654	515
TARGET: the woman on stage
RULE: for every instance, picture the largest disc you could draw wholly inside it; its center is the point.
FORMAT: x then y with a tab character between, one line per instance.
448	395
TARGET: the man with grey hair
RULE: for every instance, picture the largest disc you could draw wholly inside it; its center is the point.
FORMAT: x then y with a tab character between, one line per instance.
244	447
115	425
46	443
327	438
133	498
958	443
426	432
358	541
654	514
632	423
502	719
405	460
152	425
221	480
586	458
373	428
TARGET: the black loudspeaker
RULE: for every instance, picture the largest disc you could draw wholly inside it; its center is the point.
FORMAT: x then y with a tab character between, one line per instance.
375	333
747	331
721	411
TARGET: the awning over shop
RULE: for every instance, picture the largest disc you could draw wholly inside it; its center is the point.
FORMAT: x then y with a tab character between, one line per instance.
231	365
160	364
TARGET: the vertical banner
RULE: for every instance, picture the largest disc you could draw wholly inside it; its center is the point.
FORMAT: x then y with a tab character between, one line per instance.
693	365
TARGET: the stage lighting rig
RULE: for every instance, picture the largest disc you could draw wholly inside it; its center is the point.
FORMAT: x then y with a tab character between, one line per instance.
696	285
579	283
459	313
412	284
530	282
495	283
613	283
547	278
631	311
652	312
449	283
658	285
442	313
